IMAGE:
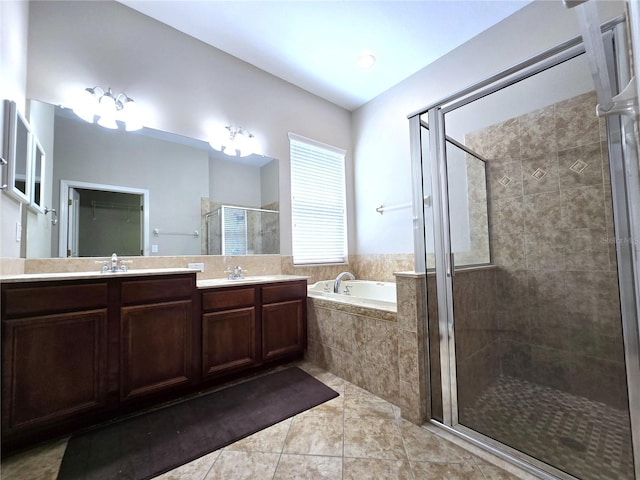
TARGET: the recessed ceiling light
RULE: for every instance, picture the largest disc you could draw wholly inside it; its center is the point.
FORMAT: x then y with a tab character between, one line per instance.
366	60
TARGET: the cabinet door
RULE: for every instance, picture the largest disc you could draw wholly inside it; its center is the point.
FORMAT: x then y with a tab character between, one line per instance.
283	329
54	367
156	347
228	340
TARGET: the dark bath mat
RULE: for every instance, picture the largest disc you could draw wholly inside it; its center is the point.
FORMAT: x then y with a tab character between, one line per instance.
145	446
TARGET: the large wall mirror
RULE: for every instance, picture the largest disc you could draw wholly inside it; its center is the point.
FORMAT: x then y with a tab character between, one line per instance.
172	195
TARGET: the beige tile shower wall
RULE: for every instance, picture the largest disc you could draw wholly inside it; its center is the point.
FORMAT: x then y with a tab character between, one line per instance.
552	237
271	229
478	252
477	343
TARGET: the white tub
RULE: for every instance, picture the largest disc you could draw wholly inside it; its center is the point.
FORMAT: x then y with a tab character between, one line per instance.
366	293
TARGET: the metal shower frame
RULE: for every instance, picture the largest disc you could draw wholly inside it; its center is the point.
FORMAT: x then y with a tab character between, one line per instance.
625	181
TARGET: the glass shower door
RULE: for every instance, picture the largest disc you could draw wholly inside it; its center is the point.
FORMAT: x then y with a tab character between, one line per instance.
532	354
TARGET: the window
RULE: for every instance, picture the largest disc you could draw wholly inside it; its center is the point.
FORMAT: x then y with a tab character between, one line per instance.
317	202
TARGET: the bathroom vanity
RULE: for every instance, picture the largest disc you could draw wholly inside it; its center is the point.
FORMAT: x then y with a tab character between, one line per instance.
81	348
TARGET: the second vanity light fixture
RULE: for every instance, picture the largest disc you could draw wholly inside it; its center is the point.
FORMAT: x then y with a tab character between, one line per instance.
103	107
235	141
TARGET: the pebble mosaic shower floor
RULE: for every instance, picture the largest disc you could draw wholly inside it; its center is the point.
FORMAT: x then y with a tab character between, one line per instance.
587	439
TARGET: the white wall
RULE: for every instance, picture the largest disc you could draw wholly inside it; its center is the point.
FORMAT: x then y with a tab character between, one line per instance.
269	183
186	84
14	18
234	183
176	175
382	164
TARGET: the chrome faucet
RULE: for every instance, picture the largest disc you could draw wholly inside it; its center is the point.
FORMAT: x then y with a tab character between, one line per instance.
114	265
339	278
236	274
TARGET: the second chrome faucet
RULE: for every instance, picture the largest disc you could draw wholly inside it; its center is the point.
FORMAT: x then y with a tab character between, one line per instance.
339	278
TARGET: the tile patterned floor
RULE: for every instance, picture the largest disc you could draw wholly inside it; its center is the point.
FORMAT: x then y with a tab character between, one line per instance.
356	436
588	439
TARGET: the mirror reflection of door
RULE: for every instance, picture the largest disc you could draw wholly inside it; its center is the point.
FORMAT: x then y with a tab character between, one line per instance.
74	226
103	222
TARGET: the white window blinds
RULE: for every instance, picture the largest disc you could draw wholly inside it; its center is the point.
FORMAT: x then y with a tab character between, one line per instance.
317	202
234	233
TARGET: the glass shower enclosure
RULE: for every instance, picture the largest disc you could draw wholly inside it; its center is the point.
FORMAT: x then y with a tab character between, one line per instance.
527	245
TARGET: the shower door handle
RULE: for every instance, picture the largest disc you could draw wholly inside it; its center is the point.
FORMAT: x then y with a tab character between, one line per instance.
450	265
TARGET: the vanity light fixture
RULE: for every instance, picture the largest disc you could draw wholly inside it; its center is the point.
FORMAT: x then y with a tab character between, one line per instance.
236	141
103	107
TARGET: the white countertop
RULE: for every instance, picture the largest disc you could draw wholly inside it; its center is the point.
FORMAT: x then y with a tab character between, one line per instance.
43	277
203	284
224	282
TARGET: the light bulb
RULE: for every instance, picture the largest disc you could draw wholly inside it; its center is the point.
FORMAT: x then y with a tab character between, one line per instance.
131	115
230	149
86	105
107	106
108	121
248	145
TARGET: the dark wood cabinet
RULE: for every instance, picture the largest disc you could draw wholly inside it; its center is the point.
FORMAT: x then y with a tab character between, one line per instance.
155	348
54	367
284	320
247	326
79	351
229	335
283	331
54	353
156	335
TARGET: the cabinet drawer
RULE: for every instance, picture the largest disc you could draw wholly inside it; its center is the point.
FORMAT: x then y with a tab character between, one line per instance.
223	299
157	290
284	291
54	299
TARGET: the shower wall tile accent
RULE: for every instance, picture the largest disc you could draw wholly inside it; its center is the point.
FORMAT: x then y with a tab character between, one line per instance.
552	239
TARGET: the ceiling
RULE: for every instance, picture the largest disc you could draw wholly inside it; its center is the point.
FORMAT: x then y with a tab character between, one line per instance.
316	44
